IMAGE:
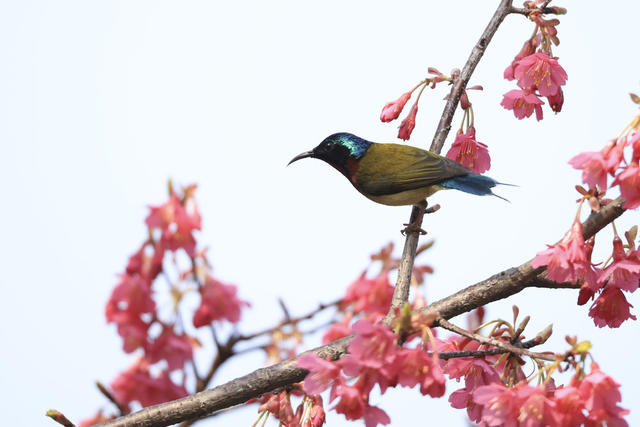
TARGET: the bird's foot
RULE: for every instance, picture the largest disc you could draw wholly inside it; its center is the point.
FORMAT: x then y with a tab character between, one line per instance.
412	228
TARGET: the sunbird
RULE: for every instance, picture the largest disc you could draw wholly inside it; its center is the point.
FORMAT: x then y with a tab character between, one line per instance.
396	174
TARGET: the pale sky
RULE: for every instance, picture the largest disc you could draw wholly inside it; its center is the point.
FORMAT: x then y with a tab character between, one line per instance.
102	102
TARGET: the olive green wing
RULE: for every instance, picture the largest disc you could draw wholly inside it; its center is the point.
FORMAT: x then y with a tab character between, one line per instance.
393	168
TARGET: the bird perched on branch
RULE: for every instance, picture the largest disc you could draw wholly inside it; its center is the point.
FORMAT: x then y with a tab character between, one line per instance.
395	174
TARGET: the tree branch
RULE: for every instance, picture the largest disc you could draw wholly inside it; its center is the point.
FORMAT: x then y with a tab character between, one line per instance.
123	409
405	268
509	348
545	11
483	353
460	83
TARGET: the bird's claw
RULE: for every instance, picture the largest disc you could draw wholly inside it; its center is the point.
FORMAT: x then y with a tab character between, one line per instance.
412	228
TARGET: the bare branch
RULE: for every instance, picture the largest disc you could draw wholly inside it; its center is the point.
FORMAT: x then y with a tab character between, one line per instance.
544	11
494	342
484	353
461	82
122	409
290	321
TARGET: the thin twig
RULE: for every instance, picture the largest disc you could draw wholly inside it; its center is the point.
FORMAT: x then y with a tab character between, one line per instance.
291	321
526	11
122	409
494	342
461	82
483	353
542	282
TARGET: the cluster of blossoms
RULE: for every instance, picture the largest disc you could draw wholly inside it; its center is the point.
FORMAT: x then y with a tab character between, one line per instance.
392	110
309	413
374	358
469	151
570	259
163	344
465	149
496	391
370	297
537	72
365	302
596	166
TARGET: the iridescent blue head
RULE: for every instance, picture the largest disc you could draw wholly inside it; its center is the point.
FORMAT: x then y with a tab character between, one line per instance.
337	149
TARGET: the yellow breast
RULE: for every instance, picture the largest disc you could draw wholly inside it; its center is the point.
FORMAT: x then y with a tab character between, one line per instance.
409	197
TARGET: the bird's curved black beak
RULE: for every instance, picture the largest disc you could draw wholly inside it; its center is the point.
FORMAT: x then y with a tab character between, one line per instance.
301	156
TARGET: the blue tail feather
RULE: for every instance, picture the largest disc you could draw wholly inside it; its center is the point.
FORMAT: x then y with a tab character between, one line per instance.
472	183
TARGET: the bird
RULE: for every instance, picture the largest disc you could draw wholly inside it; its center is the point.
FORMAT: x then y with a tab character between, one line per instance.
396	174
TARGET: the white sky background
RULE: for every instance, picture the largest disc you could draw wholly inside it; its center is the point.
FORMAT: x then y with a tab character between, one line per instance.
101	102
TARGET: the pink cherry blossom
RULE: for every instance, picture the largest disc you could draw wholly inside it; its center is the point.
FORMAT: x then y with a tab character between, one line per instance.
130	327
352	403
279	405
175	349
176	224
338	330
523	103
536	409
218	302
629	182
463	398
407	125
392	110
370	295
585	294
322	373
133	294
374	416
520	405
471	153
556	101
528	48
541	72
566	261
129	300
596	165
415	366
137	384
601	395
624	271
500	406
374	345
569	407
317	415
147	266
610	308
